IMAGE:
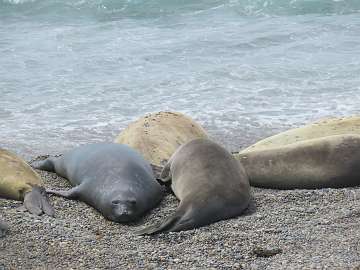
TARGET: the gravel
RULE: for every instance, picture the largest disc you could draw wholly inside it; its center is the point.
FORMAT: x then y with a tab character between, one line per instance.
291	229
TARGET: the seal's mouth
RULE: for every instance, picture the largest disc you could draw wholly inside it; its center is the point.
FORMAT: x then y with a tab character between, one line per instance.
123	216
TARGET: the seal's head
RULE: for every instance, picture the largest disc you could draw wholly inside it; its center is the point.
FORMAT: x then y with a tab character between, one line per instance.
121	208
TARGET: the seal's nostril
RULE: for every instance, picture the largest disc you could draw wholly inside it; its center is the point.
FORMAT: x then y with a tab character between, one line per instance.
123	215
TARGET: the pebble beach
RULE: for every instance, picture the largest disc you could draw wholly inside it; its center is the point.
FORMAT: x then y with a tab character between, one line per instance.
281	229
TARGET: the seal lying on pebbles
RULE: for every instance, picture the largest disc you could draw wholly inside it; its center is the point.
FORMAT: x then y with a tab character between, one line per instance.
18	181
3	229
210	184
328	162
322	128
112	178
158	135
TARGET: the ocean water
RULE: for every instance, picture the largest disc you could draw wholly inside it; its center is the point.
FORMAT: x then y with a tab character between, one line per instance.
79	71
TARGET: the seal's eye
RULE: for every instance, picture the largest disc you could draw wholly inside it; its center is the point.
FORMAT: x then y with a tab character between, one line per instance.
116	202
127	202
132	202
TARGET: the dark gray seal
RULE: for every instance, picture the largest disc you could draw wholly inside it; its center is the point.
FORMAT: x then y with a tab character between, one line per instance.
3	229
210	184
113	178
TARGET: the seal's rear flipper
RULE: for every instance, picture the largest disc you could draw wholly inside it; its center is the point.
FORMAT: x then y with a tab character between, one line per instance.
37	202
181	220
69	194
164	227
3	229
44	165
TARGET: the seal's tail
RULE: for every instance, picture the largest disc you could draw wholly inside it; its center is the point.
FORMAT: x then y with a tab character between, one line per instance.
179	221
37	202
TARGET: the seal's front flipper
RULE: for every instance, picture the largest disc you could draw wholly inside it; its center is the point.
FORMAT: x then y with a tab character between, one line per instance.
45	165
69	194
165	175
156	170
3	229
37	202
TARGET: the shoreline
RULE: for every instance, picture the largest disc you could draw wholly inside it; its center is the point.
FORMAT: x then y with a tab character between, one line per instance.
296	229
233	140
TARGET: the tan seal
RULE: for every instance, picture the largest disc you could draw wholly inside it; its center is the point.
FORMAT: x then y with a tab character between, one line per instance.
326	162
18	181
210	184
158	135
322	128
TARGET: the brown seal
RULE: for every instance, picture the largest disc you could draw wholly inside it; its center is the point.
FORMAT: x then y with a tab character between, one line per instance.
210	184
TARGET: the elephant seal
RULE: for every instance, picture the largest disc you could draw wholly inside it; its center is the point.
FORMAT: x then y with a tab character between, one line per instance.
113	178
322	128
18	181
210	184
3	229
327	162
157	136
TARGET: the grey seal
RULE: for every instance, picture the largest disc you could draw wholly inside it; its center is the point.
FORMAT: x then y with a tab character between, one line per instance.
210	184
113	178
327	162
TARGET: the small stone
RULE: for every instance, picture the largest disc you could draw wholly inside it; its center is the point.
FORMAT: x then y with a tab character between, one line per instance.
266	252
